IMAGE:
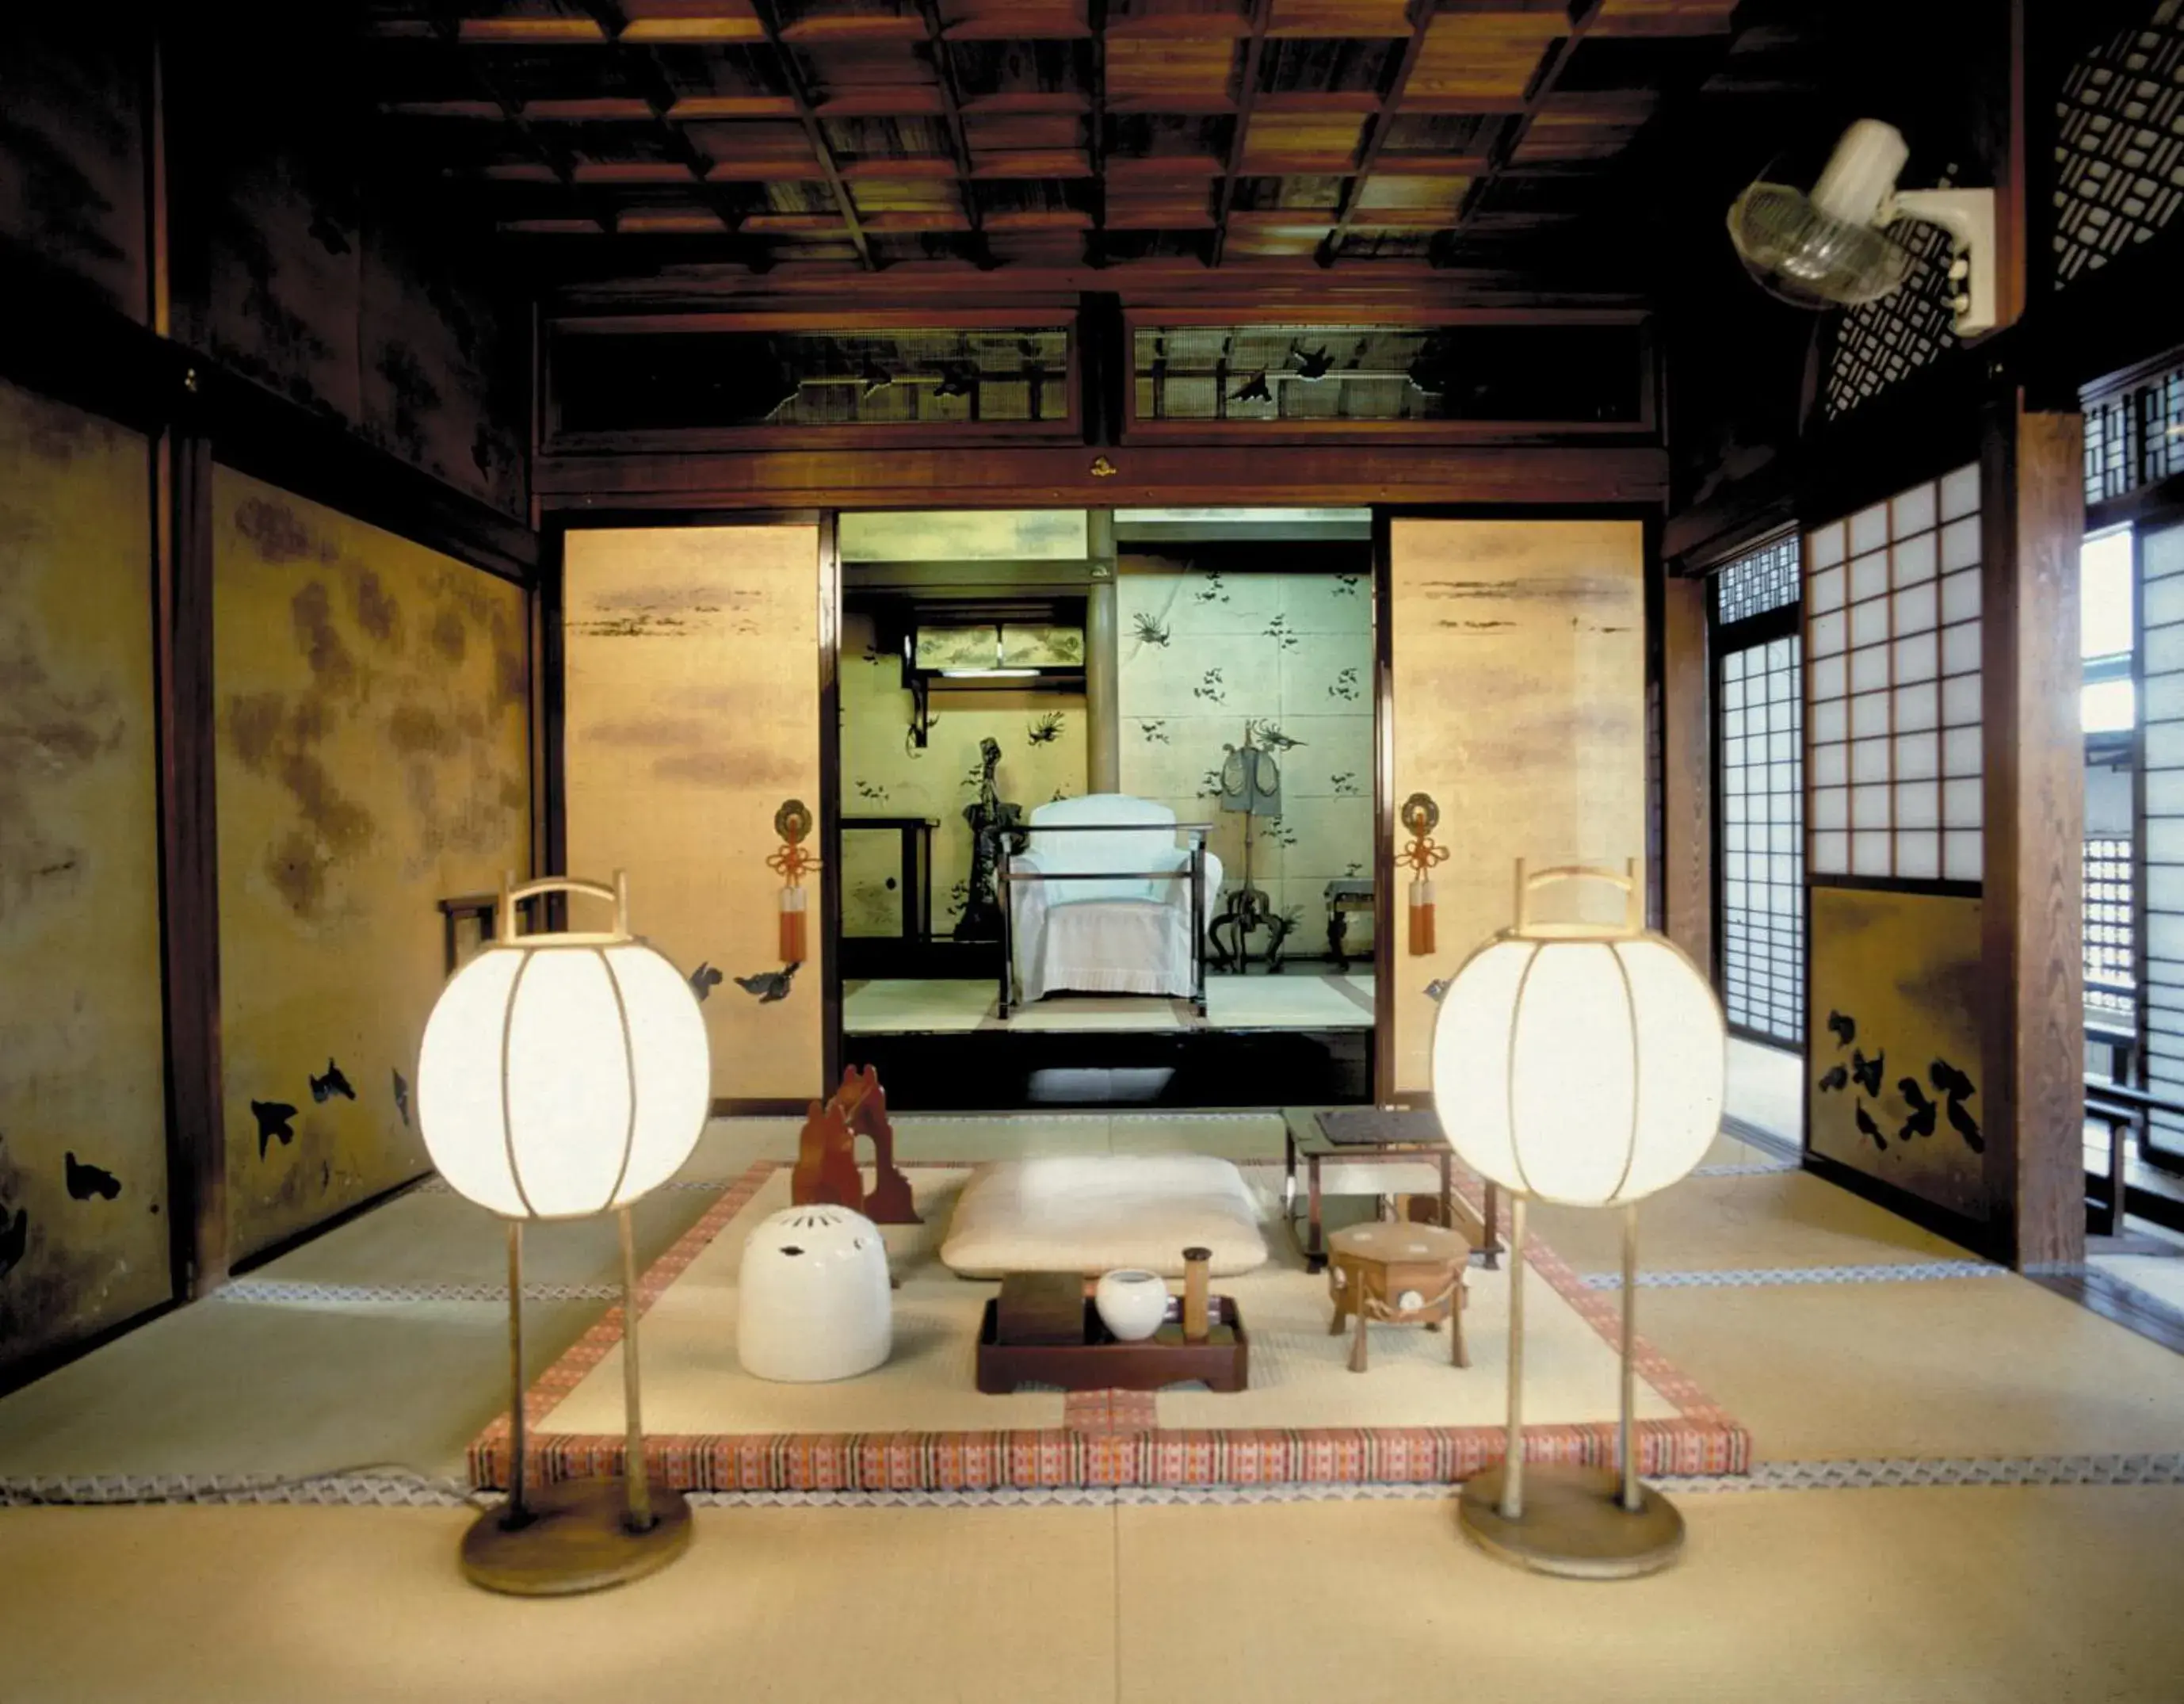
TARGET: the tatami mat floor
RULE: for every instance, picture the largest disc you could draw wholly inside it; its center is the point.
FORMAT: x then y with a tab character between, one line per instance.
1835	1333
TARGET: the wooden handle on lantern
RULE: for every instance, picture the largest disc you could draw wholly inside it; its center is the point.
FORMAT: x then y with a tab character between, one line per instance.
616	894
1626	879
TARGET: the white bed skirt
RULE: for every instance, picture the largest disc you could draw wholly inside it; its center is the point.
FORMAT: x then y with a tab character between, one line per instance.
1107	946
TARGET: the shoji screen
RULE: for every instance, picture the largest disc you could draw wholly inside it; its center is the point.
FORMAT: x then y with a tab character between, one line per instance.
692	715
2161	724
1519	706
1893	649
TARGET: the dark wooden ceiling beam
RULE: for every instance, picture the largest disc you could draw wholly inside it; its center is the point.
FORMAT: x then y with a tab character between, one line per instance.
959	140
448	26
1247	97
1504	151
1378	127
1095	132
768	12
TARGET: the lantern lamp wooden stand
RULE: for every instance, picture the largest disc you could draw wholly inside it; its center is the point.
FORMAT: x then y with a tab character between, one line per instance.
1580	1064
563	1076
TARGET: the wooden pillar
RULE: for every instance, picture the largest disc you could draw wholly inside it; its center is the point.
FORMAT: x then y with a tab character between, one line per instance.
2032	492
1687	772
189	858
1103	740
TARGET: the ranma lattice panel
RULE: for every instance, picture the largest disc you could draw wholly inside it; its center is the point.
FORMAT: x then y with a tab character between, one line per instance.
1892	644
2120	144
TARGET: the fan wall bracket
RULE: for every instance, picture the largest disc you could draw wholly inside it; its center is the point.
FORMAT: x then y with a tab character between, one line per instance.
1967	216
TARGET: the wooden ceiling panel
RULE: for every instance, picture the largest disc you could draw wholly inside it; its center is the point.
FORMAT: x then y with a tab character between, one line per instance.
806	132
1389	20
1301	141
1481	61
1162	74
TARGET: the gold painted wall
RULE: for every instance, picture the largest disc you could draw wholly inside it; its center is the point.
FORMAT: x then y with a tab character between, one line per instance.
1519	652
1042	740
81	1064
1894	1062
374	758
693	713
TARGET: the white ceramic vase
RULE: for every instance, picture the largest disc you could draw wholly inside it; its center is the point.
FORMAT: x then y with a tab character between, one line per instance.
1132	1303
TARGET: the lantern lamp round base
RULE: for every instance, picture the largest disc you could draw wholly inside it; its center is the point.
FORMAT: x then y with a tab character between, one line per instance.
1573	1523
578	1539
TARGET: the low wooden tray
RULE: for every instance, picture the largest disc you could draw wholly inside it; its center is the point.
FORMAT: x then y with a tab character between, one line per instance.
1101	1363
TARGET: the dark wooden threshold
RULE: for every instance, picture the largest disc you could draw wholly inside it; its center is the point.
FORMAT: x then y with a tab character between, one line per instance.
1967	1233
727	1107
310	1234
2117	1301
32	1367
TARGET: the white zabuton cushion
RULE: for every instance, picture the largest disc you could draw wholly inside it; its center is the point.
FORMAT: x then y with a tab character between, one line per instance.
1091	1213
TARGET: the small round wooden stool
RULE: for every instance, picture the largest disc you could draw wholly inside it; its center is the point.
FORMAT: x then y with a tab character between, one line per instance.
1399	1274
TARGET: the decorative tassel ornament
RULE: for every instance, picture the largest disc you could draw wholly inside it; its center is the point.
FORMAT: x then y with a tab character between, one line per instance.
792	863
1421	815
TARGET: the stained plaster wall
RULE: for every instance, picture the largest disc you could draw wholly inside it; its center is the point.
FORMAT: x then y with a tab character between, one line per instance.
1202	655
373	758
83	1232
693	714
884	773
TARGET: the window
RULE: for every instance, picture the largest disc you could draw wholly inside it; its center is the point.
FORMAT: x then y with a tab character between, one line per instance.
2108	701
1763	841
1892	640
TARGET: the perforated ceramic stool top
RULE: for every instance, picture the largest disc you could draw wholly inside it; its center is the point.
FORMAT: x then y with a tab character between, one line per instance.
812	1300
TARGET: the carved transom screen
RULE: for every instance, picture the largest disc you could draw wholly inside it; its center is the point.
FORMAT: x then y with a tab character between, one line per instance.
2120	144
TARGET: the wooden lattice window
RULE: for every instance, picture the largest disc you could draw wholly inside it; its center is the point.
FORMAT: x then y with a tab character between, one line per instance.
2120	144
2134	433
1878	343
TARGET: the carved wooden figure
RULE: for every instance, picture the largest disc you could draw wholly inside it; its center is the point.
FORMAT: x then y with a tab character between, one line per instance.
826	1154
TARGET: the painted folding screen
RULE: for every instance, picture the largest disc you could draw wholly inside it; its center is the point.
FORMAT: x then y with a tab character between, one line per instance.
1519	656
373	759
691	719
1895	770
83	1154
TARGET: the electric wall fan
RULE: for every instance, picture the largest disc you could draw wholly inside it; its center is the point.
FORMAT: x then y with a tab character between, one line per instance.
1828	249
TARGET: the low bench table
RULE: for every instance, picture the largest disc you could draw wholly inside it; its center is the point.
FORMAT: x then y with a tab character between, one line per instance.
1394	1134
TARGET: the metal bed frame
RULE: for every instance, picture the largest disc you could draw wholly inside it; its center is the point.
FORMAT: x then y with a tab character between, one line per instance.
1004	876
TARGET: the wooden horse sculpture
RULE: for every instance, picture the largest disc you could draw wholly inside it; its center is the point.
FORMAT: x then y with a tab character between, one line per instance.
826	1154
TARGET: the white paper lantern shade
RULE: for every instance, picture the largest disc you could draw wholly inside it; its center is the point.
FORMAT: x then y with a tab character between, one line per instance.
1581	1069
563	1076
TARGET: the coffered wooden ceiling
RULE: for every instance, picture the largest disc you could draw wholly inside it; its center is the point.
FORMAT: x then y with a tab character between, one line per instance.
862	135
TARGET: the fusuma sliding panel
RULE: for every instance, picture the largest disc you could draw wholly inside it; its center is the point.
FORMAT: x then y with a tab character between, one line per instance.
83	1158
2161	595
374	759
1892	661
1519	694
692	718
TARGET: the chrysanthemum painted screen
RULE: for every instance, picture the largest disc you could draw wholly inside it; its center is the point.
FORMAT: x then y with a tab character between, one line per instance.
1893	649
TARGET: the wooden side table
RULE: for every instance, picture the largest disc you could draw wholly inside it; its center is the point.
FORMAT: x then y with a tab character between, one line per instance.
1399	1274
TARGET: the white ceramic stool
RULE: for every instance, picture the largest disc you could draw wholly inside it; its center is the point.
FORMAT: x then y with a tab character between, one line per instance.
812	1302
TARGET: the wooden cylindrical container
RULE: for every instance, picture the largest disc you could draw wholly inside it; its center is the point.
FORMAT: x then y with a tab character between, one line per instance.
1421	919
1197	1267
792	926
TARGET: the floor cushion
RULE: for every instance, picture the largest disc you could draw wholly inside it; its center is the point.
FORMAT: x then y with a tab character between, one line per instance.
1091	1213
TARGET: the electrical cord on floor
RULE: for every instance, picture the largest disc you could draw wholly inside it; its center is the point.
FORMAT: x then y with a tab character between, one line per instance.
83	1490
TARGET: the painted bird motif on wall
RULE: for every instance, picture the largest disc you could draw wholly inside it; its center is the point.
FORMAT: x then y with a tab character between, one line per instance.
1866	1072
705	979
1957	1088
273	1116
769	986
1837	1076
331	1082
1866	1126
85	1181
401	1096
1845	1029
1923	1112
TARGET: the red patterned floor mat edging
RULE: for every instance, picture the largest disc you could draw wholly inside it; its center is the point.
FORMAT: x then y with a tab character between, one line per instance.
1107	1440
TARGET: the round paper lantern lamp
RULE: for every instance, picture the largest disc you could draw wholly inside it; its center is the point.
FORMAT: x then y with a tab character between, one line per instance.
1583	1065
1579	1068
563	1076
